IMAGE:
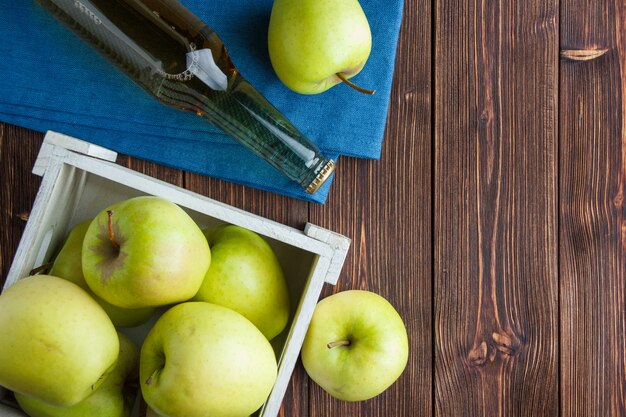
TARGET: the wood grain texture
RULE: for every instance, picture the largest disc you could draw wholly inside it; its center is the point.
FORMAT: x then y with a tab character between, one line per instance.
385	207
170	175
18	188
495	223
592	211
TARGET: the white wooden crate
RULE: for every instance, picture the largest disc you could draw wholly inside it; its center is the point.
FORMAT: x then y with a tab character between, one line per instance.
80	179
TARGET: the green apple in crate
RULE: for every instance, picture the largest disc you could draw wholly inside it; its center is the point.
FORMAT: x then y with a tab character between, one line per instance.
201	359
111	399
144	252
245	276
151	413
356	345
68	265
56	343
316	44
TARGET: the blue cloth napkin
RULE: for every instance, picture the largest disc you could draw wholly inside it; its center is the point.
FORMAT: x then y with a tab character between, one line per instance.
52	80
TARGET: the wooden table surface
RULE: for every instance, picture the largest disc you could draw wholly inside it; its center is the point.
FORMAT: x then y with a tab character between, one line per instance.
494	221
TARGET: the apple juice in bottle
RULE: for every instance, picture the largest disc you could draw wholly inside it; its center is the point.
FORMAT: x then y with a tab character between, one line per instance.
181	62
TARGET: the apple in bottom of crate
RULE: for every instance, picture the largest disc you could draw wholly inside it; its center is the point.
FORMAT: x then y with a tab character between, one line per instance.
245	276
144	252
68	265
201	359
57	343
356	345
111	399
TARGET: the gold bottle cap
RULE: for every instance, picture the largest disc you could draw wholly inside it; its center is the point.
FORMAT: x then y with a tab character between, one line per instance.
321	178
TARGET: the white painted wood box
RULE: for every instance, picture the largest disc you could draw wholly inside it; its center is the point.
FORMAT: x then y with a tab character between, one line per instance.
81	179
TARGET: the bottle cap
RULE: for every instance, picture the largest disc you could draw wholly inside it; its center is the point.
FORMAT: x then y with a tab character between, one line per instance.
321	177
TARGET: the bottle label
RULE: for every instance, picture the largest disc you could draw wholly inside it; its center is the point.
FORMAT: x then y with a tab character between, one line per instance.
203	66
188	73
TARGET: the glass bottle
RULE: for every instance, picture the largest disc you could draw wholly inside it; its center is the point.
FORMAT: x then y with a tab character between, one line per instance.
181	62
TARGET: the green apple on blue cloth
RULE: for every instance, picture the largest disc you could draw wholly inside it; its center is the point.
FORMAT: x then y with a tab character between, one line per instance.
52	80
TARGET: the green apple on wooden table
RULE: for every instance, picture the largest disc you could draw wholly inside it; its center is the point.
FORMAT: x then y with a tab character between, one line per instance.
316	44
56	343
144	252
111	399
68	265
356	345
245	276
201	359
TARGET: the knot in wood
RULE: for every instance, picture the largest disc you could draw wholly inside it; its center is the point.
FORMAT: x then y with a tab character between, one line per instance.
506	344
582	54
410	94
503	343
478	355
486	115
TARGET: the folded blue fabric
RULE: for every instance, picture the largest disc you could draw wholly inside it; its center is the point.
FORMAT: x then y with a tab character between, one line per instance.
52	80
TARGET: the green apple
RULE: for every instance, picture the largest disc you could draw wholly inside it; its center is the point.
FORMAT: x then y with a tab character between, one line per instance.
144	252
201	359
315	44
109	400
356	345
56	343
68	265
245	276
151	413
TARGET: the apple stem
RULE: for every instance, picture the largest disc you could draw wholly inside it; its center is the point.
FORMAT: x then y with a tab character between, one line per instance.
343	78
342	342
111	233
41	268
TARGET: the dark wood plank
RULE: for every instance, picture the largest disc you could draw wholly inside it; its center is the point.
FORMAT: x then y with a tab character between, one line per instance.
163	173
593	212
495	227
385	207
18	188
289	211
